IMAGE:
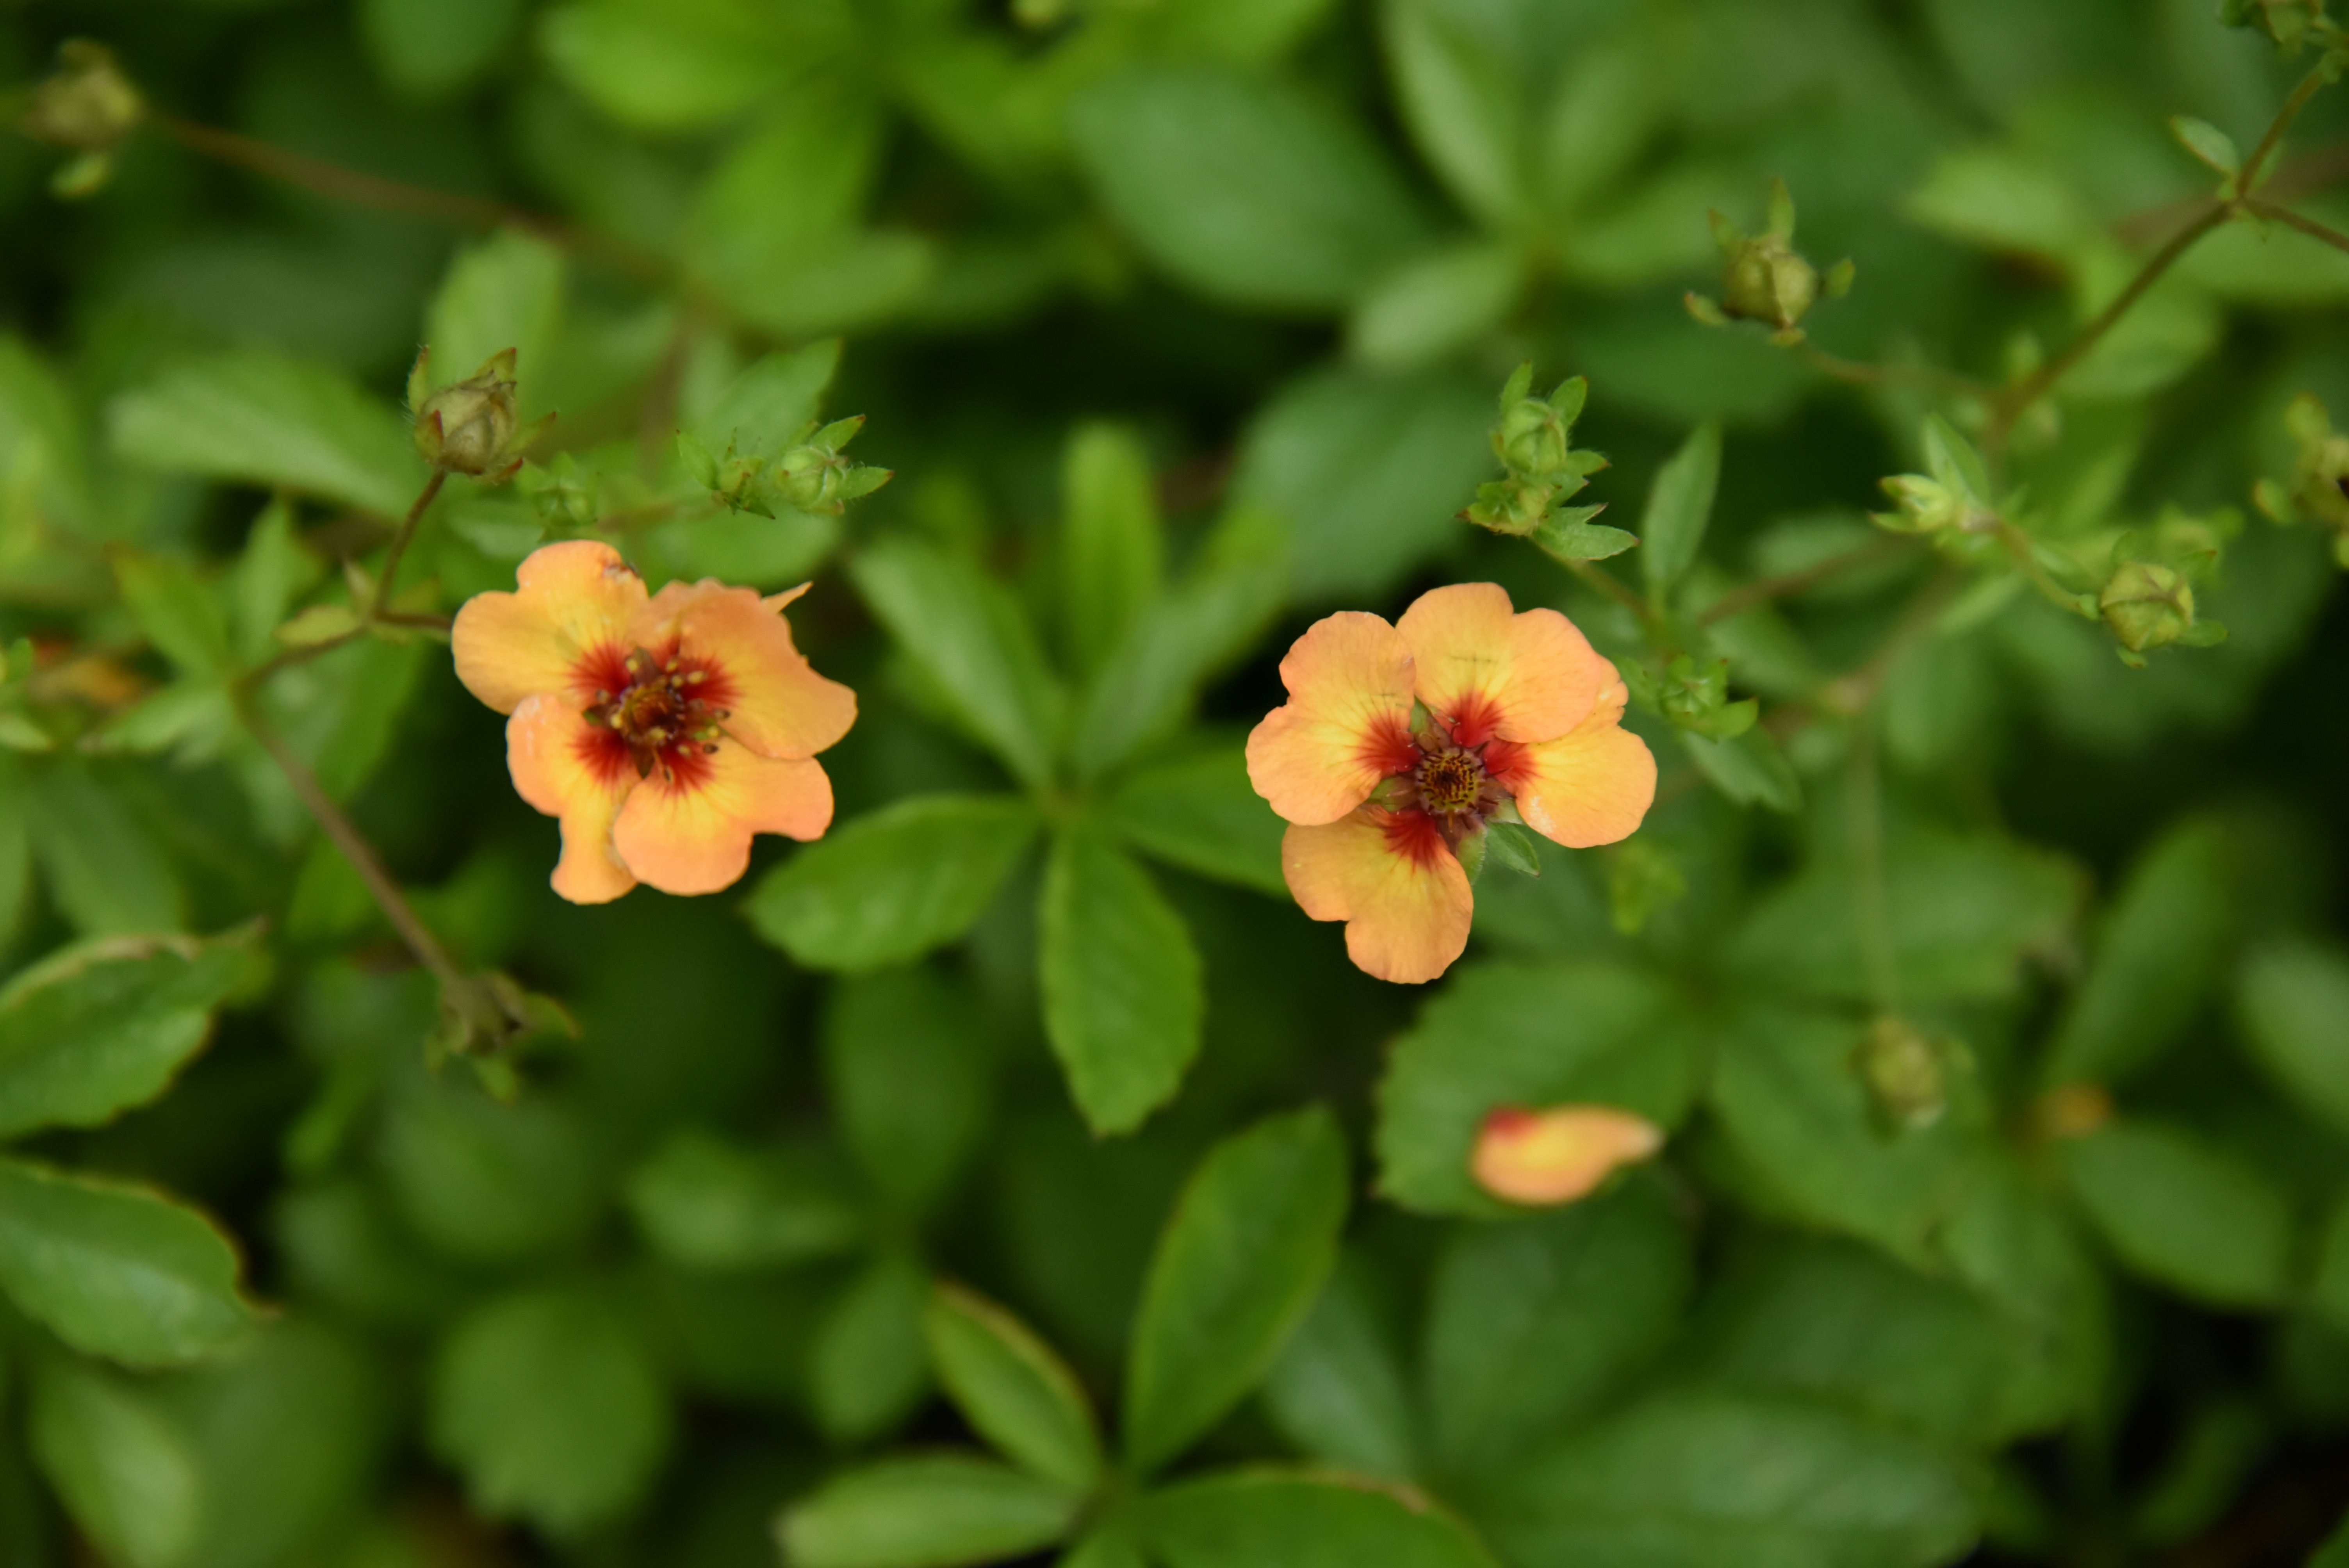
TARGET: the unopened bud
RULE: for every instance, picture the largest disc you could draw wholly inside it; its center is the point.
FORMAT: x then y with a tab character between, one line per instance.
1927	505
1534	439
1556	1156
1768	282
85	104
1907	1075
2147	605
466	426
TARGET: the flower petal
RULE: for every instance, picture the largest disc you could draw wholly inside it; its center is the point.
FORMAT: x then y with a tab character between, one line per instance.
1557	1155
1592	787
575	600
577	771
776	703
1347	723
1488	671
1394	882
689	832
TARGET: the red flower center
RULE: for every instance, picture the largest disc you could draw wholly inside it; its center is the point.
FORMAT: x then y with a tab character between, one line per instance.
1450	781
654	712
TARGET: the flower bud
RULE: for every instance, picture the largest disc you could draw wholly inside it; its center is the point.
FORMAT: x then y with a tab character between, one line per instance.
1556	1156
1534	439
85	104
2147	605
466	426
1766	281
1905	1074
1927	505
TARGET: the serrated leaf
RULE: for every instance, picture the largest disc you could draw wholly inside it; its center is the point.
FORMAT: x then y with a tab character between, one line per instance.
1569	538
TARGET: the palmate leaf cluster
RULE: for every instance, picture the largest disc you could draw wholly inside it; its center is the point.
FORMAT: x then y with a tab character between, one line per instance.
1016	1173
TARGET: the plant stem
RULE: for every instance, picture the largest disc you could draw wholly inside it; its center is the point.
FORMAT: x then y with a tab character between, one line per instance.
1614	587
2291	220
1857	373
399	543
2308	88
1768	588
375	613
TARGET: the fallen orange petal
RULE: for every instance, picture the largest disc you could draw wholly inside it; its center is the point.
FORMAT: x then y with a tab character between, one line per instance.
1556	1156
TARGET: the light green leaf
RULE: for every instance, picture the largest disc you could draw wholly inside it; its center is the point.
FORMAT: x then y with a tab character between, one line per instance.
670	65
892	885
1123	997
2159	952
1749	770
867	1364
1337	1391
432	47
1202	814
1680	505
1268	1518
1696	1479
908	1065
1465	104
116	1269
974	645
2293	1001
1246	1251
1368	471
549	1408
258	418
2002	200
1528	1035
934	1512
762	409
106	1024
175	611
1012	1389
1531	1323
127	1471
1436	305
104	869
504	291
1112	546
1245	188
2206	142
2184	1212
711	1204
272	573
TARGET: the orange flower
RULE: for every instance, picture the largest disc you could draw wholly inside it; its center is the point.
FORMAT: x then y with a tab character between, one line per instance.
663	730
1398	742
1556	1156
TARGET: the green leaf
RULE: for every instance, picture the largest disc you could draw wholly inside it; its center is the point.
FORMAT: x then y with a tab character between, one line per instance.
104	1024
892	885
707	1203
1531	1323
1680	505
175	611
1112	546
1247	1247
2002	200
974	645
1202	814
908	1065
2330	1291
1246	188
549	1408
1465	102
1749	770
2293	1001
2014	1241
934	1512
867	1365
1159	658
484	1181
1337	1391
671	65
116	1269
104	870
431	47
272	573
1529	1035
2159	952
1268	1518
258	418
2184	1212
1695	1480
1794	1110
1367	471
765	407
125	1470
2206	142
1570	539
504	291
1012	1389
1124	1000
1435	305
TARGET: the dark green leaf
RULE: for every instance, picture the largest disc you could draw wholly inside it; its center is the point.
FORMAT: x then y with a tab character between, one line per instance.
127	1473
707	1204
550	1408
114	1269
106	1024
867	1365
1012	1389
934	1512
888	887
1244	187
908	1064
1466	103
103	867
1532	1322
2014	1241
1287	1518
433	46
1202	814
2184	1212
1680	505
972	642
485	1181
2331	1291
1112	548
175	610
2294	1004
1124	1000
1247	1249
1338	1390
1530	1036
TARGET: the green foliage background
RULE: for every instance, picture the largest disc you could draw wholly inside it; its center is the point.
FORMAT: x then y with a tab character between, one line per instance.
1018	1174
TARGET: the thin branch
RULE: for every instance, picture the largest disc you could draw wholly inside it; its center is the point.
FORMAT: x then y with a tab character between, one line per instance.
2308	88
1614	587
1763	590
2291	220
1858	373
399	543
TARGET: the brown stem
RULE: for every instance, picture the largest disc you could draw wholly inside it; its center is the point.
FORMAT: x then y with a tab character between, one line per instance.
1768	588
399	543
258	677
2291	220
1858	374
1614	587
346	838
2308	88
409	201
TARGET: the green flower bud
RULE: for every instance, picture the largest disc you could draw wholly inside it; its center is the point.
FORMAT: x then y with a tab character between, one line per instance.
472	426
1534	439
1907	1075
2147	605
85	104
1927	505
1765	282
